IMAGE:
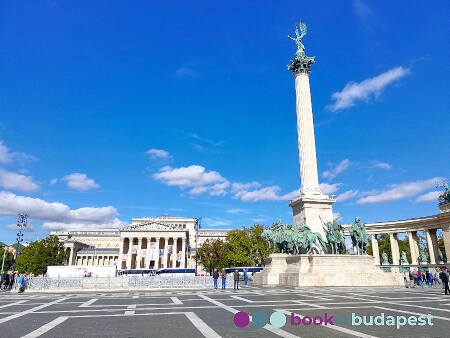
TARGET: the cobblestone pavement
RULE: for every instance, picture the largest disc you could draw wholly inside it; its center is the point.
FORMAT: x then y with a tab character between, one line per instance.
210	313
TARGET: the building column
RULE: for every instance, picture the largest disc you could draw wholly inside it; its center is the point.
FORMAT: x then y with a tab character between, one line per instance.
147	254
394	248
122	242
183	253
446	236
166	248
432	245
414	247
157	265
138	255
70	261
375	250
130	246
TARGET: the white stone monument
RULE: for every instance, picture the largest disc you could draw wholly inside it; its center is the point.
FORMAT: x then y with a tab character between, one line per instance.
311	203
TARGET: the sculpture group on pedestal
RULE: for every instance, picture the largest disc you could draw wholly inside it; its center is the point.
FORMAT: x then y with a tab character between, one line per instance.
359	238
335	236
444	197
289	241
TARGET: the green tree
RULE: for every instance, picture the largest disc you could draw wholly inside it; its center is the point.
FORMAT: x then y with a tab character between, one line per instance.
384	245
212	254
39	254
9	259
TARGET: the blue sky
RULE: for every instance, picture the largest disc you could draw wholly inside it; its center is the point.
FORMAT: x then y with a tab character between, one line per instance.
118	110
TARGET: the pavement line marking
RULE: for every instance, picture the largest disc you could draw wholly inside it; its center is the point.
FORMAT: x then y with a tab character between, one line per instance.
411	313
20	314
89	302
201	325
308	304
16	303
268	327
133	306
129	313
243	299
46	327
175	300
136	295
335	327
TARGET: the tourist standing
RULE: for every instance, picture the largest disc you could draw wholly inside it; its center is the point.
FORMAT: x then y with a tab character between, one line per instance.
215	277
428	278
224	278
245	276
444	278
236	279
411	280
415	275
419	279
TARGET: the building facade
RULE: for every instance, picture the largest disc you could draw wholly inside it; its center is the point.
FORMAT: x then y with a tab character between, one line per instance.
156	242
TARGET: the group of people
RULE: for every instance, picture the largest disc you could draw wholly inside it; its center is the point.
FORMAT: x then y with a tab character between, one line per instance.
216	276
8	280
420	278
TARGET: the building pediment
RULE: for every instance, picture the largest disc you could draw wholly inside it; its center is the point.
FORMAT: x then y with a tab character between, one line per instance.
152	225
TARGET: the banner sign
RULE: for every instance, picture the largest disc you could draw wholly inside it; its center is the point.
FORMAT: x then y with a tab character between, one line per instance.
143	252
125	257
161	252
170	250
134	249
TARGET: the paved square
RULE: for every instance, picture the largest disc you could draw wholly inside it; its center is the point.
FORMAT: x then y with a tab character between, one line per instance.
210	313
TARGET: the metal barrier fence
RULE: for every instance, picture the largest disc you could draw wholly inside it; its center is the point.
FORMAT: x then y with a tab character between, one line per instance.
125	282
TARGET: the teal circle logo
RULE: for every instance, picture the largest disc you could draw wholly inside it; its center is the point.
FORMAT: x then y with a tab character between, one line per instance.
278	319
259	319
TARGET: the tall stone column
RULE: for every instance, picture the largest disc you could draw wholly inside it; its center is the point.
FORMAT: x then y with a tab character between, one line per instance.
166	249
130	255
446	236
157	260
311	204
413	247
147	254
394	248
432	245
119	264
375	250
183	252
138	254
70	261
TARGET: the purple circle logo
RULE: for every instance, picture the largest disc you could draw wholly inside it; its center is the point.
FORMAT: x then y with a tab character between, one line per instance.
241	319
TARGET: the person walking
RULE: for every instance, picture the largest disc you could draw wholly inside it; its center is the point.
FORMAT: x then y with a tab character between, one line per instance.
224	278
215	277
415	275
444	278
420	280
236	279
411	280
245	276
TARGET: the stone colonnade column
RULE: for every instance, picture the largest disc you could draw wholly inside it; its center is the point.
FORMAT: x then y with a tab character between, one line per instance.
166	248
446	236
130	246
183	253
414	247
432	245
70	262
147	254
157	265
119	263
394	248
375	250
138	254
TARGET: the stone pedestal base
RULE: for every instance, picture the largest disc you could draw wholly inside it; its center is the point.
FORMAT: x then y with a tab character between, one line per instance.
312	208
325	271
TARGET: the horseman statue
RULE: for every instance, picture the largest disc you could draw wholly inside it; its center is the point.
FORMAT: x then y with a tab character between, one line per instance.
359	238
335	236
444	197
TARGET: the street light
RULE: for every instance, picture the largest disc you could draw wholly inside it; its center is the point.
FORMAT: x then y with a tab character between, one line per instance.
197	227
21	223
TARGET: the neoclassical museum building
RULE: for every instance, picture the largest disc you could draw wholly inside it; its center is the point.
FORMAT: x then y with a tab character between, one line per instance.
156	242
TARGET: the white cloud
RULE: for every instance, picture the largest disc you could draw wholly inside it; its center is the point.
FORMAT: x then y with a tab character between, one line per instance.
7	157
266	194
430	197
337	215
237	211
364	12
336	170
192	176
14	227
13	181
236	187
57	215
381	165
362	91
187	73
54	181
399	191
259	220
328	189
217	222
217	189
80	182
54	226
158	153
347	195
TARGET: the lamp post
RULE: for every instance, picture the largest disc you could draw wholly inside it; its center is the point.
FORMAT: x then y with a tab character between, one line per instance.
21	223
197	227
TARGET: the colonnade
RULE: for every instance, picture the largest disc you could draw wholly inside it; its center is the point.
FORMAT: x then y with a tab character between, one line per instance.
147	252
99	260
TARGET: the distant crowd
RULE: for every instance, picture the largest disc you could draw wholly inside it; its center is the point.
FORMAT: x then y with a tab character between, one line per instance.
419	278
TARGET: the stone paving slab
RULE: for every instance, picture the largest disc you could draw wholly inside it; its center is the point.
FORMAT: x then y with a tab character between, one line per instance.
210	313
